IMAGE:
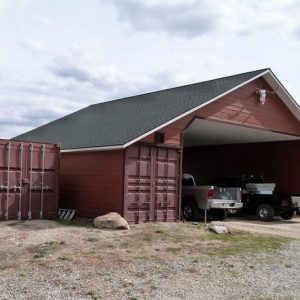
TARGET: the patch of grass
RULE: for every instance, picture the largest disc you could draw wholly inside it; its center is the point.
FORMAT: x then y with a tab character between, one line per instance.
125	244
288	266
54	243
42	250
43	263
147	238
145	257
133	298
159	230
64	258
242	243
269	298
40	254
173	250
92	239
92	294
6	266
76	223
91	252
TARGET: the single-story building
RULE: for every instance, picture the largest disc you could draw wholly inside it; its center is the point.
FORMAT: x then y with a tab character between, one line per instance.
128	155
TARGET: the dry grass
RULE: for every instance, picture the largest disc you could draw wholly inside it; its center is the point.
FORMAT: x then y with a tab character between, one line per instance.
83	244
44	246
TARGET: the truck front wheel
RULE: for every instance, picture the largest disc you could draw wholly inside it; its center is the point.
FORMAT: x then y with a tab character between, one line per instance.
265	212
189	210
218	214
287	215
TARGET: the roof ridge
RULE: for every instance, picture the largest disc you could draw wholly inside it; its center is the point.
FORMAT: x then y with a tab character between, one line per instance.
179	87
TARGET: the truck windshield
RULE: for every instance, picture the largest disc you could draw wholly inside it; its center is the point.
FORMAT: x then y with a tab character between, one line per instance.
187	181
227	182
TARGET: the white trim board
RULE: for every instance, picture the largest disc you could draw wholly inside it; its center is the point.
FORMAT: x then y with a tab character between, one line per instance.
104	148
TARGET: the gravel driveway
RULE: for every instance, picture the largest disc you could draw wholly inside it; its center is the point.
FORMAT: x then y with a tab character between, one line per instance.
279	227
47	260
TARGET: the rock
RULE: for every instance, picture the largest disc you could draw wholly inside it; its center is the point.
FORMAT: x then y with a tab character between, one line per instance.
111	221
219	228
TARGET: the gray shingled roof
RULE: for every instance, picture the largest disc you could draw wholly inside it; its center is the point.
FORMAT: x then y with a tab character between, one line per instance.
121	121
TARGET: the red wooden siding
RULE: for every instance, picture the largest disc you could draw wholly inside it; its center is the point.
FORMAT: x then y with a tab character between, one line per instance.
28	180
240	107
92	182
152	184
277	161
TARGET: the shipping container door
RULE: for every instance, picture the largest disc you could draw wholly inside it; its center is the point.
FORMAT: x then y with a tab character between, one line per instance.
138	183
43	185
152	184
167	181
28	180
10	178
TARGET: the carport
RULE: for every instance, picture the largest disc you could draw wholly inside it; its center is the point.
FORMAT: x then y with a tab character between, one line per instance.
215	149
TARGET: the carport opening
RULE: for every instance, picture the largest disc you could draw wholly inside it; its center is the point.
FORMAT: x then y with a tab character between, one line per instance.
216	149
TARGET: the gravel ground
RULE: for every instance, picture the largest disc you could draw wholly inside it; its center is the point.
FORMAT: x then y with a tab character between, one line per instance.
288	228
46	260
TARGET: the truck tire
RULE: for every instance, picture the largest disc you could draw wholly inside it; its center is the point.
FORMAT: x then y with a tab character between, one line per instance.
287	215
218	214
189	210
265	212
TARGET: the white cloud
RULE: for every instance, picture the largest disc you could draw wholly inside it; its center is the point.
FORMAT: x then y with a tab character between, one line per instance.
72	83
194	18
34	46
9	9
106	80
53	63
184	18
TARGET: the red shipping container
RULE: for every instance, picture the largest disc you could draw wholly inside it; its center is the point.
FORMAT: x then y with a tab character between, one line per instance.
28	180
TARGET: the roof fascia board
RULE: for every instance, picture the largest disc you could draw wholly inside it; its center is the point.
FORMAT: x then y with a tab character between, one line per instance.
105	148
195	108
283	94
284	89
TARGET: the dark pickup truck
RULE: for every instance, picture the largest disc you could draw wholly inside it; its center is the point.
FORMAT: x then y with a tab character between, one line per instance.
259	197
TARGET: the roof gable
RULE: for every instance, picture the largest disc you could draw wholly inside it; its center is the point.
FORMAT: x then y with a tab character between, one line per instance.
118	123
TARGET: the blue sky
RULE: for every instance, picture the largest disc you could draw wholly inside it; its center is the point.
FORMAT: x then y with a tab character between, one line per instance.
58	56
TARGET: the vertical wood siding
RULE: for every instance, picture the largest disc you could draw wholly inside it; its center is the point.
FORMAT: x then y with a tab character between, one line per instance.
277	161
92	182
240	107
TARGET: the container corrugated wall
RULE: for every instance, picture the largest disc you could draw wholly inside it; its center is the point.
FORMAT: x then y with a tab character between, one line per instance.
152	184
28	180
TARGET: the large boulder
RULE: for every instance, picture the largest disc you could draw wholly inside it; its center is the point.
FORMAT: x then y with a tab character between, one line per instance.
111	221
219	228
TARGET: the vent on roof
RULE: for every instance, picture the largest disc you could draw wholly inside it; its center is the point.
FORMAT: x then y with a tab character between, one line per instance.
159	138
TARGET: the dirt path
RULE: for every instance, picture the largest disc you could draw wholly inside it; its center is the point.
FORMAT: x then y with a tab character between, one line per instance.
278	227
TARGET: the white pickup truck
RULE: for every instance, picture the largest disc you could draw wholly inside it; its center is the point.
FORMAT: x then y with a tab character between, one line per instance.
217	201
